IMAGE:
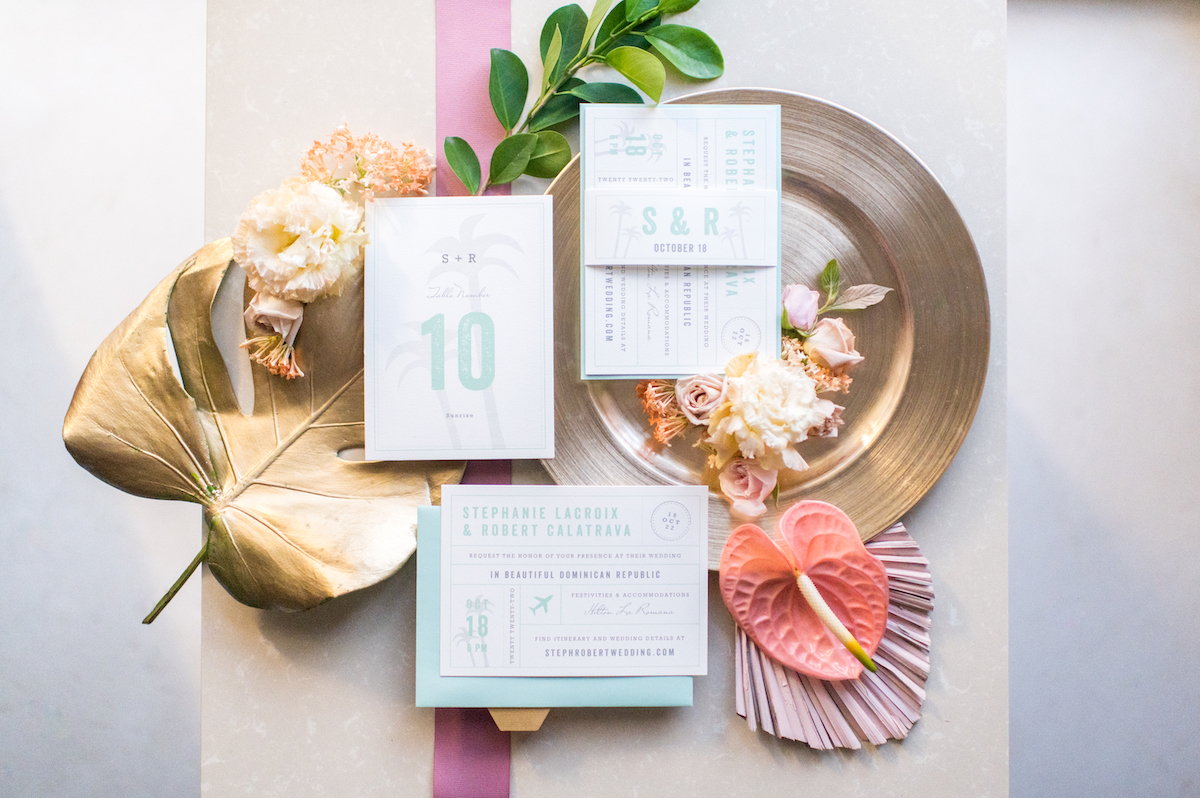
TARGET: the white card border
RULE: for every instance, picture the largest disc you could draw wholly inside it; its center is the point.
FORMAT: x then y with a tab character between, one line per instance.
530	453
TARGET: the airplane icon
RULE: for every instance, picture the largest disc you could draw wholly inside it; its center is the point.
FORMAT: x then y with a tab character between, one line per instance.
542	604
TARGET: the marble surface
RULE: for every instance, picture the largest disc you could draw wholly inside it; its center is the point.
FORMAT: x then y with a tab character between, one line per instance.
321	703
1104	231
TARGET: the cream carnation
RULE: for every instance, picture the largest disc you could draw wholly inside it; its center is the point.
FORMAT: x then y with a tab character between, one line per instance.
299	241
771	406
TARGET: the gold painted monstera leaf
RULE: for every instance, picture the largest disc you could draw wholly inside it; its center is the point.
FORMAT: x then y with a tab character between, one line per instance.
289	523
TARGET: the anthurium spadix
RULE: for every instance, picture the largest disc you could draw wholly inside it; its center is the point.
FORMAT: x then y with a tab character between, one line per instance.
817	600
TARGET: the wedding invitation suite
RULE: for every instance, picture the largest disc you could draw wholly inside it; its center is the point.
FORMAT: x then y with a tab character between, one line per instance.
573	581
459	331
680	244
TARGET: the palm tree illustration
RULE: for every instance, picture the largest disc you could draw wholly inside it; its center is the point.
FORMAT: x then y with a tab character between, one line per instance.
620	210
631	233
740	211
414	348
465	639
728	234
483	603
603	144
467	242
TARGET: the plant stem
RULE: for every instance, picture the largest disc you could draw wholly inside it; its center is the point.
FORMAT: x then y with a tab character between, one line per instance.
580	61
831	621
183	577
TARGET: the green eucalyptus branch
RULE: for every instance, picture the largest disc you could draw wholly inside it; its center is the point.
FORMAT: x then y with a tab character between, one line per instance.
620	37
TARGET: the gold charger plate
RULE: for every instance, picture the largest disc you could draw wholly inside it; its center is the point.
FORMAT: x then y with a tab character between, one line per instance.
851	192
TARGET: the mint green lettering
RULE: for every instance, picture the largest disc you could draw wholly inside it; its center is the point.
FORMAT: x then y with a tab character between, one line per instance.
435	326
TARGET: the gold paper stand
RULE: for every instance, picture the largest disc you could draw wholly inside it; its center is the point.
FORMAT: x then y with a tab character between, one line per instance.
519	718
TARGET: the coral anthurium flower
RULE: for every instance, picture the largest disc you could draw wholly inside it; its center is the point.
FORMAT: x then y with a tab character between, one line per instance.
812	600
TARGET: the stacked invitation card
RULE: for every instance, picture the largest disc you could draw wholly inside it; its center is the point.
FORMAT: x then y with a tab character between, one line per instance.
680	245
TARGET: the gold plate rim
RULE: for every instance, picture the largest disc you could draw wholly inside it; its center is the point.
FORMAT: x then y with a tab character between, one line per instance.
934	383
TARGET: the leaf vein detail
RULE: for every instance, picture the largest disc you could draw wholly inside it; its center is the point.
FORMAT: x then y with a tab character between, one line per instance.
282	537
253	474
216	416
201	499
174	431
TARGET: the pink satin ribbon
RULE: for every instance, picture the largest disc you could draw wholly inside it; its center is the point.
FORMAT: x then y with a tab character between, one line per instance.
466	32
471	757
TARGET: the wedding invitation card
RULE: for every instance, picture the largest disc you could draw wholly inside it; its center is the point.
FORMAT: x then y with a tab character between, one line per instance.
459	335
435	690
680	248
573	581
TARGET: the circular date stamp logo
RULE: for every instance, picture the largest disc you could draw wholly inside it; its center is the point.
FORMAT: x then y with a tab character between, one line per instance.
741	334
671	521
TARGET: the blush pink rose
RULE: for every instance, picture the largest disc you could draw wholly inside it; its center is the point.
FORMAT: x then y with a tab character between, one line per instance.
281	315
832	345
801	305
746	485
700	395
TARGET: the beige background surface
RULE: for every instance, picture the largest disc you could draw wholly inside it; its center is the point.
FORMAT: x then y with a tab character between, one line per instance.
322	703
1104	230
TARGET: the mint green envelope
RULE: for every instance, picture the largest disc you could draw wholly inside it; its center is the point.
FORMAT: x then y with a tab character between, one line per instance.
435	690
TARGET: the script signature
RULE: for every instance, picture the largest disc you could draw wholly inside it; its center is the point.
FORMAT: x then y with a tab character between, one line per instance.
629	608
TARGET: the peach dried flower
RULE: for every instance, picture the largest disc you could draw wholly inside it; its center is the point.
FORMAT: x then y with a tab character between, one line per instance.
368	166
662	409
825	378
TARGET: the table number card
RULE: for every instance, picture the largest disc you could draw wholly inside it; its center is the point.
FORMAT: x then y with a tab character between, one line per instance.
574	581
459	330
680	243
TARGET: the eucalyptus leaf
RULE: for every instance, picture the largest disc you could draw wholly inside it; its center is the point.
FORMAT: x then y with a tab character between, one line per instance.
635	9
830	278
289	524
572	22
689	50
594	20
857	297
550	156
606	93
511	157
551	59
642	69
508	86
675	6
463	162
616	19
562	107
